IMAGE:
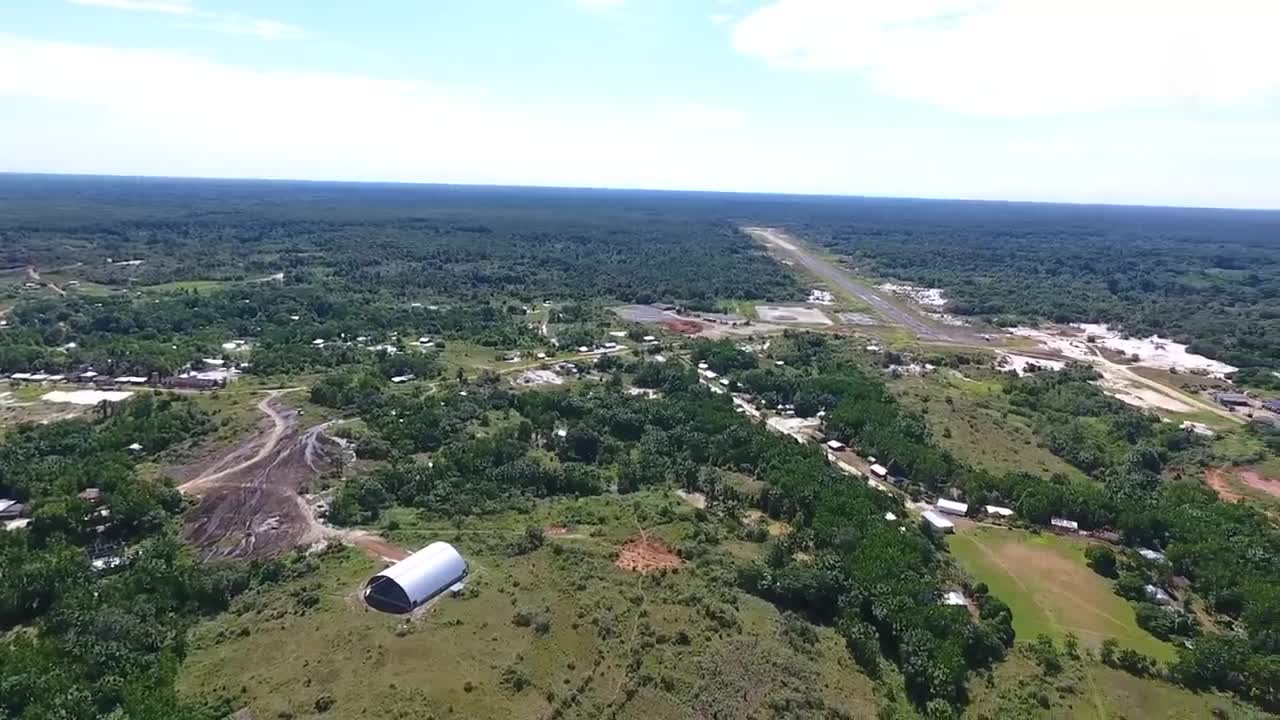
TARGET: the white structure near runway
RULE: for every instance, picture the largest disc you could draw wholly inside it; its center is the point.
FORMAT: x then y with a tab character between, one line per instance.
414	581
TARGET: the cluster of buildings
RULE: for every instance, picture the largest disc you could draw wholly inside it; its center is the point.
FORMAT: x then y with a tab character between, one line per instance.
211	376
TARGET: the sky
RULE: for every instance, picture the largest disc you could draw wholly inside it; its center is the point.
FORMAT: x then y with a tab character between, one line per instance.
1166	102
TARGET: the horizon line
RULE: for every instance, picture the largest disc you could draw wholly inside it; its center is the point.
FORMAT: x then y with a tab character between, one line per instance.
609	189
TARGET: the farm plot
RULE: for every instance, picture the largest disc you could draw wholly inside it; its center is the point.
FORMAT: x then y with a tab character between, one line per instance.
792	315
1045	580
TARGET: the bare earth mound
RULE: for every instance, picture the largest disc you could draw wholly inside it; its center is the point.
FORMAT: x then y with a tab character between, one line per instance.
647	554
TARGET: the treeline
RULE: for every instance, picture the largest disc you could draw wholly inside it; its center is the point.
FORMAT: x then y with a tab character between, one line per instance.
98	591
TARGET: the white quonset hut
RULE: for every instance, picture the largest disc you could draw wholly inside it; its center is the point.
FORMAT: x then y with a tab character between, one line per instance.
414	581
951	507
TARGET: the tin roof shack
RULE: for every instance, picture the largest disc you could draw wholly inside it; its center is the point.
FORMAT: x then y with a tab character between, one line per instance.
11	509
1063	525
879	471
936	523
1232	400
998	511
1154	556
1157	595
951	507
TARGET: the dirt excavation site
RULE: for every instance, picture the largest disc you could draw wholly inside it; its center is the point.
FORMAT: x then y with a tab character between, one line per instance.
250	502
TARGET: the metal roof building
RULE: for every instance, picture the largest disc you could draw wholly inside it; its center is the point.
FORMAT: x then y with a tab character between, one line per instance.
937	522
414	581
951	507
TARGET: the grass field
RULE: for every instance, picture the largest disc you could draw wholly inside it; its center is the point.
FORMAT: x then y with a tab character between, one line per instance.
181	285
1051	590
976	425
604	643
1088	690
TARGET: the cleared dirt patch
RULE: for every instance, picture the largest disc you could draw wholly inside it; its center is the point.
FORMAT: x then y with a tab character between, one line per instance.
250	503
684	327
1260	482
646	554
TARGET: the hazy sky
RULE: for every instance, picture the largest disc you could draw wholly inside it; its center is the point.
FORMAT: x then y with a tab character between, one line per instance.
1129	101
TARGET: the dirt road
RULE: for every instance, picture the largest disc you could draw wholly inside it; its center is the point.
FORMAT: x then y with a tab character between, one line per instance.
1115	369
251	505
890	311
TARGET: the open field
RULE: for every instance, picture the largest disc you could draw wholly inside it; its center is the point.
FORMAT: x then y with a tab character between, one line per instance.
976	424
1051	590
560	631
1088	690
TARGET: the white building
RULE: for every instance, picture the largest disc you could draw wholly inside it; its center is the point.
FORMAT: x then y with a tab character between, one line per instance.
1157	595
879	471
1153	555
998	511
939	523
954	598
835	445
414	581
1063	524
951	507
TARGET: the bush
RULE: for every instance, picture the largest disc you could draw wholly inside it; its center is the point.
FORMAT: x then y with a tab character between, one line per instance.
1101	559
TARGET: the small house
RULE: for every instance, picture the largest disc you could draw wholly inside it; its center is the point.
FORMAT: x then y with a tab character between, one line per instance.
954	598
1231	400
835	445
1154	556
997	511
11	509
1064	525
879	471
938	523
1157	595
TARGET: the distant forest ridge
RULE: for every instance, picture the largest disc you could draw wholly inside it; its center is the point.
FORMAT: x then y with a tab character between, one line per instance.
1203	276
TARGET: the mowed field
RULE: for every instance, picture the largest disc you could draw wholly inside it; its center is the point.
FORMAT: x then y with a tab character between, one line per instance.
1051	590
560	631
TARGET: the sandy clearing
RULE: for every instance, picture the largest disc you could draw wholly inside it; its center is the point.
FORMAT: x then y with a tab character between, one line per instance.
792	314
1142	397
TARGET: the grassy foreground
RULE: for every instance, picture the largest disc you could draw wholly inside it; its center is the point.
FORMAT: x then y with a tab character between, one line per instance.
557	632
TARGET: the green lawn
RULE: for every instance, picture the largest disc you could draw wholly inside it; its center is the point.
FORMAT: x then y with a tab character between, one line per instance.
1045	581
181	285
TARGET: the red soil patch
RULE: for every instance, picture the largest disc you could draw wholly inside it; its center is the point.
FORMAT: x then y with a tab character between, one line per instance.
1218	480
646	554
1260	482
686	327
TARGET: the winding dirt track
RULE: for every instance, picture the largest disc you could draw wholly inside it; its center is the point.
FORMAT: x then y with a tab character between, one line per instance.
250	499
253	507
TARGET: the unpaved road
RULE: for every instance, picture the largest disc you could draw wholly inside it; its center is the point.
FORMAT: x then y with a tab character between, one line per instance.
892	313
250	497
251	505
1114	369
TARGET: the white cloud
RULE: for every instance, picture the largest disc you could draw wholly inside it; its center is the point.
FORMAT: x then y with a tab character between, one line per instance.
167	7
1019	57
599	4
89	109
720	18
228	23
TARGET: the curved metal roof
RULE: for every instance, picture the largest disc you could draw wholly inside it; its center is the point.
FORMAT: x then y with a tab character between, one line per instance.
413	581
